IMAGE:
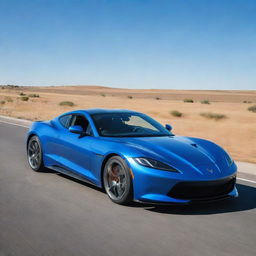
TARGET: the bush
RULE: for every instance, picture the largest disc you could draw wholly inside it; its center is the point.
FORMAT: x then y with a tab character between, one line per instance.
22	94
33	95
11	86
67	103
252	108
205	102
158	98
176	113
129	97
188	100
24	98
103	95
2	102
246	101
214	116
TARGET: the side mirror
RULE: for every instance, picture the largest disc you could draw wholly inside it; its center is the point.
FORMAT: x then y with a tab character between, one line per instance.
168	127
77	129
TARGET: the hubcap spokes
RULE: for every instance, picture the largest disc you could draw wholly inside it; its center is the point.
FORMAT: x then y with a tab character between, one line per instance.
34	154
116	181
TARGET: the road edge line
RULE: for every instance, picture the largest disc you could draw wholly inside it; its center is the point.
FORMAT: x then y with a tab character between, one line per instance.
252	181
14	124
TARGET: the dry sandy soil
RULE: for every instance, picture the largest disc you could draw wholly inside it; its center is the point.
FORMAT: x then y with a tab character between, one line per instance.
236	133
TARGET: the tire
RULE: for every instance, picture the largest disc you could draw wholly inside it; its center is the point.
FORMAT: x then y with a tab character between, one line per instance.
117	181
35	154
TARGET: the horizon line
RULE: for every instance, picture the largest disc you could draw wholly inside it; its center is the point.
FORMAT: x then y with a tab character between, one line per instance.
122	88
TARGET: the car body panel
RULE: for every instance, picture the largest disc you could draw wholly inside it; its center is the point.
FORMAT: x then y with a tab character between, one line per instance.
195	159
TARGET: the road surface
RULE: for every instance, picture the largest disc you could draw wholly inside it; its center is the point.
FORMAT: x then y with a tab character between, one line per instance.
50	214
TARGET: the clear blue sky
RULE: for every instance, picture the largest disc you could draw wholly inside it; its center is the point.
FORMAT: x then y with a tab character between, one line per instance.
192	44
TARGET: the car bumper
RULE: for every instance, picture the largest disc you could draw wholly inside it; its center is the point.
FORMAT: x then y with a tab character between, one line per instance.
163	187
163	199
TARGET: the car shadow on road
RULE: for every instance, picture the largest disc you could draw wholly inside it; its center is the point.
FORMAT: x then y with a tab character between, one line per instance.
245	201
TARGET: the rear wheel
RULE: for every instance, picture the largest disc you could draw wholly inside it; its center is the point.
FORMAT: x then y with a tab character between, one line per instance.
117	181
35	155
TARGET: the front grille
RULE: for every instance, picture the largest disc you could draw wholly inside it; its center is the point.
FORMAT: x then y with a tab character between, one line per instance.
202	189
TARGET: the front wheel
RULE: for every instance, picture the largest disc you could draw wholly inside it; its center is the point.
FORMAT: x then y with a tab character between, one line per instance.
117	181
35	155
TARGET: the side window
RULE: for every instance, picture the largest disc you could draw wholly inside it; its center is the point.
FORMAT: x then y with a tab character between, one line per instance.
65	120
83	122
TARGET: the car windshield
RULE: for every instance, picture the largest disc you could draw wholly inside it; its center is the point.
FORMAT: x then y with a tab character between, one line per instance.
128	125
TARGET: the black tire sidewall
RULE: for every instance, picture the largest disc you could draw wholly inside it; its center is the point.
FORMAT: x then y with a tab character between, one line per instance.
41	167
127	198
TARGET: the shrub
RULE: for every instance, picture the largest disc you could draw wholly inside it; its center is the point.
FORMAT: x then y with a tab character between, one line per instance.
214	116
188	100
129	97
2	102
176	113
252	108
22	94
246	101
12	86
67	103
33	95
103	95
205	102
24	98
158	98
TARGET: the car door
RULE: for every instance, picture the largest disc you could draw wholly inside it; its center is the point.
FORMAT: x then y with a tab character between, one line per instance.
75	149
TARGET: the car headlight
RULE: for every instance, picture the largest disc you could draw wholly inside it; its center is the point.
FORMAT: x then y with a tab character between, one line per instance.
151	163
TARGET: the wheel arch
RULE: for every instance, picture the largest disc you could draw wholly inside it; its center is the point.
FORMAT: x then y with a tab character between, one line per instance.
107	157
29	137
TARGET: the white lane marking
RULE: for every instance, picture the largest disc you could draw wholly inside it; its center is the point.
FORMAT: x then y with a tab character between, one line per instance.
252	181
14	124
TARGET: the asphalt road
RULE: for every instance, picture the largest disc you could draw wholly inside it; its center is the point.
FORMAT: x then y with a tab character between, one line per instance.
49	214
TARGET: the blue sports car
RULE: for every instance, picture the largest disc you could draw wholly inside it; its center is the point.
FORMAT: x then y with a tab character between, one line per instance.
132	157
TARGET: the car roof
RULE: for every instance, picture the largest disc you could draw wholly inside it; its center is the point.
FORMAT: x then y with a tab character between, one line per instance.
103	111
100	111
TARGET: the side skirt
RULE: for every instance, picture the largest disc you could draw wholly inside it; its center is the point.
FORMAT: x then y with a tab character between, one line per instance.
71	174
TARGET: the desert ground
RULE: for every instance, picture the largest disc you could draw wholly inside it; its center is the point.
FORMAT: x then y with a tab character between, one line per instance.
234	126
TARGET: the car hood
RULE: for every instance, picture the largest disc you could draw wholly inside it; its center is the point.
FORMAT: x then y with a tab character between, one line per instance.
177	146
182	153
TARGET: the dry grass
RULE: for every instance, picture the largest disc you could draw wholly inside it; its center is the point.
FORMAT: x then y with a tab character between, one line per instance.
237	133
24	98
67	103
205	102
9	99
214	116
33	95
176	113
188	100
252	108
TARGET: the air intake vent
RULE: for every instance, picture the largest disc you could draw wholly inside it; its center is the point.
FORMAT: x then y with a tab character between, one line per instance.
202	189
